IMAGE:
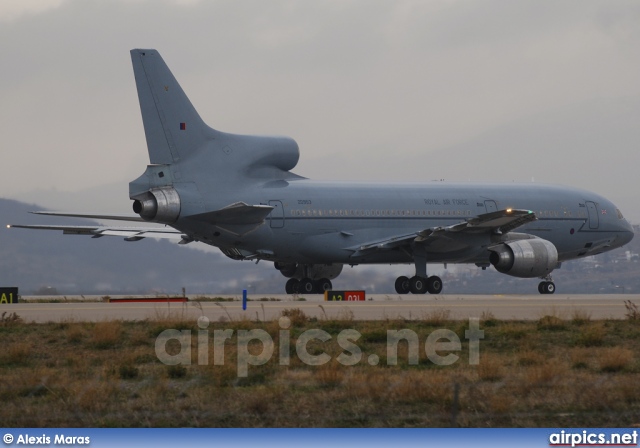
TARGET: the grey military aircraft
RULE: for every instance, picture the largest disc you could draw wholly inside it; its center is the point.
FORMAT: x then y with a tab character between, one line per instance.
238	193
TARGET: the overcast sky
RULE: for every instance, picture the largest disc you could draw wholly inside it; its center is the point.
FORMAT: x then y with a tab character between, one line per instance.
371	90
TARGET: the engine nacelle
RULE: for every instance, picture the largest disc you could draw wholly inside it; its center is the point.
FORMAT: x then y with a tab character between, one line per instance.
158	205
525	258
314	271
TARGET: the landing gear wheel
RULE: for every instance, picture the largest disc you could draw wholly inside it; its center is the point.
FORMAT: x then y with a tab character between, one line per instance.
402	285
324	284
418	285
547	287
434	285
292	286
307	286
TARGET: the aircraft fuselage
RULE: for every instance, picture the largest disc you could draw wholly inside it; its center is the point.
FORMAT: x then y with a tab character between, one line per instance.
326	222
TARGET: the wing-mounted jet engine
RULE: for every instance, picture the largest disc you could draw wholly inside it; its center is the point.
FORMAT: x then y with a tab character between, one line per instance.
525	259
528	258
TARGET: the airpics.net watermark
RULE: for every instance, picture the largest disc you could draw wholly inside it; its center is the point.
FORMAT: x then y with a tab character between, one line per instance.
437	343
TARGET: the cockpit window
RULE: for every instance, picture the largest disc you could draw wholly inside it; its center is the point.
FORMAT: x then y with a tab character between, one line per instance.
619	214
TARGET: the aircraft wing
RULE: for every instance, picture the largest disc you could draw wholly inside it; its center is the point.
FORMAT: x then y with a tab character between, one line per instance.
237	213
92	216
128	233
498	223
238	218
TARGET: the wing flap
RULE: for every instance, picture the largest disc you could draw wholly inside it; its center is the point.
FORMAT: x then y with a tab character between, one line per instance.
502	221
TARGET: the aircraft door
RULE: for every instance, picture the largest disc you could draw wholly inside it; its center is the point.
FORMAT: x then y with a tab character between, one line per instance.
277	215
594	220
490	206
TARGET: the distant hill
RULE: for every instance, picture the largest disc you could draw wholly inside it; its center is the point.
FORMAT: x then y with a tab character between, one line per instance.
35	260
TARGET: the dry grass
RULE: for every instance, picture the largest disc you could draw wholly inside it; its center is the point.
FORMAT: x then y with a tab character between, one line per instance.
581	358
551	322
633	312
614	359
591	335
297	317
106	334
7	319
491	368
573	372
15	354
580	317
530	357
436	317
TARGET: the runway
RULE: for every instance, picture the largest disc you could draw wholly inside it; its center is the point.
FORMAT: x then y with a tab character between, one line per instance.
376	307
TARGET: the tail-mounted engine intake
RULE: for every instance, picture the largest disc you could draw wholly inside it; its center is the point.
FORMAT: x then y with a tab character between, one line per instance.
525	258
158	205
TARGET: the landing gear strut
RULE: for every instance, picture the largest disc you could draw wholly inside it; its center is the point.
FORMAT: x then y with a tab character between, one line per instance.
420	283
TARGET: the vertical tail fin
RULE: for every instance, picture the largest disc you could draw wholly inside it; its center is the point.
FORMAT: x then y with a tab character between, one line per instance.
172	126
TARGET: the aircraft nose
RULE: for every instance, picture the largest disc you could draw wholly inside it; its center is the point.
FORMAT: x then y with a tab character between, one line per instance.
626	234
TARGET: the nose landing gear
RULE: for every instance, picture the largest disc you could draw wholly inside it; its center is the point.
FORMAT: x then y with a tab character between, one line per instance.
547	286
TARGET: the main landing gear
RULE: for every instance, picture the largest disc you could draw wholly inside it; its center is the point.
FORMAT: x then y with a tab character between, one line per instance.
307	286
547	286
419	285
